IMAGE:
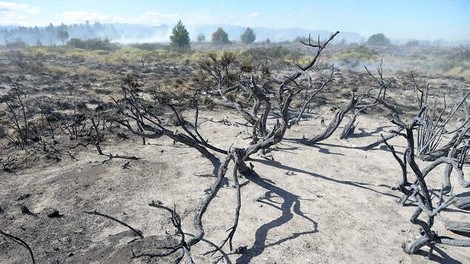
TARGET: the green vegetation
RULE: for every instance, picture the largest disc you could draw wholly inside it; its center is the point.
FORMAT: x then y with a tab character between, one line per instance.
220	37
457	63
55	35
270	53
149	46
254	58
355	57
248	36
91	44
201	38
412	43
63	36
179	38
271	56
378	39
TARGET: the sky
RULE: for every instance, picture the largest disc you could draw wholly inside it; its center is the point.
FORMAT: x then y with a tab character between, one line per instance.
397	19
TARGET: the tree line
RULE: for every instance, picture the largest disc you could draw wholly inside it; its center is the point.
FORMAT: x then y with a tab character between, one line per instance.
57	35
179	38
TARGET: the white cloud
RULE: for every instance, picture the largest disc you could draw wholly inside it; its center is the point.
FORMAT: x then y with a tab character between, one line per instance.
200	16
253	15
154	18
15	7
148	18
76	17
16	14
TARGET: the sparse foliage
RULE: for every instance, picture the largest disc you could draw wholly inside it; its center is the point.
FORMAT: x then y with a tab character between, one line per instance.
18	115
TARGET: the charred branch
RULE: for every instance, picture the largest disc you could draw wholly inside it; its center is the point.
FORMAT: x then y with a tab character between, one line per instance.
420	191
462	202
97	143
139	118
21	242
142	121
136	231
334	124
350	126
434	127
182	247
18	117
311	96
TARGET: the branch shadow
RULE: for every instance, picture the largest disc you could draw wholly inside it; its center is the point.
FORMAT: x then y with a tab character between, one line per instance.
223	254
286	149
290	200
327	151
456	210
442	258
318	146
361	185
370	147
363	133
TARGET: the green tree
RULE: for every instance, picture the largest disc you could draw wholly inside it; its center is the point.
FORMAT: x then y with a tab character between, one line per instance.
220	37
248	36
179	38
201	38
378	39
63	35
412	43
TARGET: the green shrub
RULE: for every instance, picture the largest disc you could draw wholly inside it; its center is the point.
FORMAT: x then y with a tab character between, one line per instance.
18	44
355	56
92	44
378	39
149	46
201	38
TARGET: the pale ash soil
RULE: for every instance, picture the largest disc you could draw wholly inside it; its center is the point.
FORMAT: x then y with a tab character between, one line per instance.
331	203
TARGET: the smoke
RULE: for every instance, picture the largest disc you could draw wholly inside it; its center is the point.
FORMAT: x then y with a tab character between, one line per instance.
162	38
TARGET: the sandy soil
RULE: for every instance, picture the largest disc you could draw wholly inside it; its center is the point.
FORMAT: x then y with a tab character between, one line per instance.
331	203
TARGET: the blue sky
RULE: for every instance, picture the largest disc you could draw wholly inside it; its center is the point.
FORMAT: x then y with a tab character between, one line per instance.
398	19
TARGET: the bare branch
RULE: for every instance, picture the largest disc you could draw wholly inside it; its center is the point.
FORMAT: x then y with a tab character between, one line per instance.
20	242
137	232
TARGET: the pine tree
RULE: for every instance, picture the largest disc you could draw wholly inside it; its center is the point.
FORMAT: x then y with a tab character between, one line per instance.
179	38
248	36
63	35
220	37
